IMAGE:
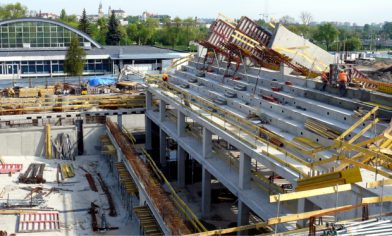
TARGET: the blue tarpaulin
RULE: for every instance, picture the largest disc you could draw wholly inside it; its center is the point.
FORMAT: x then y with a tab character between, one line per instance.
97	81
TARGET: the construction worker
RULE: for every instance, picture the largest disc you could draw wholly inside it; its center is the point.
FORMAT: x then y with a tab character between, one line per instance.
165	77
325	79
342	81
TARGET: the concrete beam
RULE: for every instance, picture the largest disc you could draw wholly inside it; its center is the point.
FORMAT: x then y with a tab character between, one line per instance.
180	124
243	216
148	133
120	120
207	142
245	171
205	193
162	147
162	110
148	100
180	166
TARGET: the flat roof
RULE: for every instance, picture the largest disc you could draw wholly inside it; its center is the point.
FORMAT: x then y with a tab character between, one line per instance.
132	52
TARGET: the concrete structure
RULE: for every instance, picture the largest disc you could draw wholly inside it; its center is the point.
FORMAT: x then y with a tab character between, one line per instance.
196	99
301	50
36	47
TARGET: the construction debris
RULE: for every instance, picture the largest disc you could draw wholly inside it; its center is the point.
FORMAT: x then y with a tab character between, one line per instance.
91	182
33	175
67	170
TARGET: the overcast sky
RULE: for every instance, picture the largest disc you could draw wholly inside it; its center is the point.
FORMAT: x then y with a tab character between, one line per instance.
358	11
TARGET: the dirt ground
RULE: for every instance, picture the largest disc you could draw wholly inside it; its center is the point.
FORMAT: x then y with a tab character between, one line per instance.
380	70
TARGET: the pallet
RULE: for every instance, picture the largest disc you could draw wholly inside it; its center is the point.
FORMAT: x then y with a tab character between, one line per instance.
10	168
39	222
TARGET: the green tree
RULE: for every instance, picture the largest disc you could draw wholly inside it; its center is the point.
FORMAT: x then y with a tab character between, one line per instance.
11	11
63	15
387	29
84	24
353	44
326	34
113	35
75	58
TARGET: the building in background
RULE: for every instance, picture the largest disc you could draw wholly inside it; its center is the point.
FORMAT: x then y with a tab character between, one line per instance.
36	47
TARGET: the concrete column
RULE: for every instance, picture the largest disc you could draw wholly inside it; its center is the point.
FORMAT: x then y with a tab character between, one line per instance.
148	100
148	133
180	166
207	142
120	121
162	110
162	147
180	124
300	209
245	171
243	216
205	193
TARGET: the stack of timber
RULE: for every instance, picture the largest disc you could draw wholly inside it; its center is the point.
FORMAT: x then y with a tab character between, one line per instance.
67	170
348	176
321	129
306	143
147	221
33	175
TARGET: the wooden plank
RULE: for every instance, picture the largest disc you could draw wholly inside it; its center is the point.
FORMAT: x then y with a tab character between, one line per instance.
310	193
306	215
369	200
356	124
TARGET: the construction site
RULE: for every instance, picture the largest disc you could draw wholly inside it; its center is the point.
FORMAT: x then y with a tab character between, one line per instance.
252	135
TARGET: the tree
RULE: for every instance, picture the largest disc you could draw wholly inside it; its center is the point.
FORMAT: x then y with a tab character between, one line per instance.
63	15
113	35
84	24
75	58
11	11
387	29
287	20
326	33
306	17
353	44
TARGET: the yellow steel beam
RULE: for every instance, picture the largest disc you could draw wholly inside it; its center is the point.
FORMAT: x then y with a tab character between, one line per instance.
310	193
356	124
359	134
370	141
370	200
231	230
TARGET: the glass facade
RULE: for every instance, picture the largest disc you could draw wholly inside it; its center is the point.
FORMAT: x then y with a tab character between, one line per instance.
34	34
53	67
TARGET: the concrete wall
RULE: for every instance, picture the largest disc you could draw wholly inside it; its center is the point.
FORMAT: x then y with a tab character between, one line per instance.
31	141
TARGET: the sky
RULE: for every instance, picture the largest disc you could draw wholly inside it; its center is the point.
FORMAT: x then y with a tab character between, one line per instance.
354	11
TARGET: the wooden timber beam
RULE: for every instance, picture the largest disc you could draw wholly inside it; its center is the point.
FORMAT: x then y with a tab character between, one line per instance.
307	215
379	183
310	193
356	124
369	200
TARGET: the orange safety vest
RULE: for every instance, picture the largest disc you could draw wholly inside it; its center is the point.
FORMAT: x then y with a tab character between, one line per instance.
342	78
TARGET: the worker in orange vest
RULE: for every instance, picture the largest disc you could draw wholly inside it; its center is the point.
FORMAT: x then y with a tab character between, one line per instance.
325	79
342	81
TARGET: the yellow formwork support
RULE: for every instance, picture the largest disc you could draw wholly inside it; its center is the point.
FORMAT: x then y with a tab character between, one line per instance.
356	124
48	142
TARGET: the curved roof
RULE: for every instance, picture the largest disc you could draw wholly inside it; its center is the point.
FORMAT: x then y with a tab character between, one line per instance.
76	31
